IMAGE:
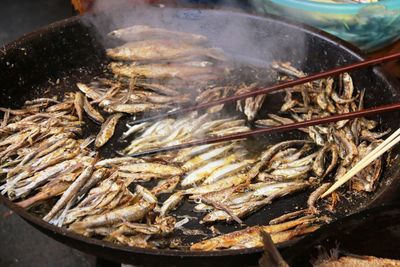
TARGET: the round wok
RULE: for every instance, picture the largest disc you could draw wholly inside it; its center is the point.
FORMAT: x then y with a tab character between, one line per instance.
56	57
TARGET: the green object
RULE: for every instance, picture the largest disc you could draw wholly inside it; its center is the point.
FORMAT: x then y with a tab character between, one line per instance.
368	26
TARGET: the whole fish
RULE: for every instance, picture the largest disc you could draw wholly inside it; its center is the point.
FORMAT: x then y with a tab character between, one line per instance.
157	50
107	130
171	203
251	236
131	214
71	193
156	168
91	111
144	32
160	71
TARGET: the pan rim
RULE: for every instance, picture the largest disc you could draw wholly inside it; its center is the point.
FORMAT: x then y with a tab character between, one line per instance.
34	220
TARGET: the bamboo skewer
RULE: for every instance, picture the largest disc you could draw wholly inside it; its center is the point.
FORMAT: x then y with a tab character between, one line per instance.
368	159
276	87
281	128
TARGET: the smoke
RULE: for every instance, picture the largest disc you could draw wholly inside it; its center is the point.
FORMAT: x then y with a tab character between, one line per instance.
243	37
236	33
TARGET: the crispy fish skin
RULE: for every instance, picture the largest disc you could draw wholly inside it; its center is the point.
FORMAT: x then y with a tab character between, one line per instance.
219	185
110	162
270	152
71	193
243	209
48	192
91	111
159	88
157	50
251	236
160	71
107	130
88	91
171	203
131	214
201	173
313	198
135	107
144	32
78	104
166	186
202	158
155	168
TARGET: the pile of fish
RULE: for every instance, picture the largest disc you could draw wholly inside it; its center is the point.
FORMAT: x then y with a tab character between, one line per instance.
46	162
347	141
170	131
156	69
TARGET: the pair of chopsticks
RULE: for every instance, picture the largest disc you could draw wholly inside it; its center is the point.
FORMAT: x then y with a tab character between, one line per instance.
373	155
287	127
368	159
280	128
274	88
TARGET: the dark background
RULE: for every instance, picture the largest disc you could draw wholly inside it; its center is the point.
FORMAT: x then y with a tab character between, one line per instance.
20	243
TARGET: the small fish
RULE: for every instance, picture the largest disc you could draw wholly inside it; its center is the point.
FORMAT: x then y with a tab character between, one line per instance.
71	193
130	213
91	111
186	154
144	32
78	104
156	168
160	71
221	184
52	189
110	162
134	129
347	148
270	152
373	136
307	160
171	203
290	173
222	172
107	130
146	194
288	216
319	163
43	176
159	88
88	91
251	236
97	176
135	108
201	173
158	50
201	159
313	198
243	209
166	186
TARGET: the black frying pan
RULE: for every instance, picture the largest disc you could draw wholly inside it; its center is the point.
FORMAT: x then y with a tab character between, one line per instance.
51	60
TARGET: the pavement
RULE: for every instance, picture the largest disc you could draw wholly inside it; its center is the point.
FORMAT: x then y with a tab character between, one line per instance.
20	244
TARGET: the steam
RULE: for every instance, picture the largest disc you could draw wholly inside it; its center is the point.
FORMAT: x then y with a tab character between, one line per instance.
242	37
236	34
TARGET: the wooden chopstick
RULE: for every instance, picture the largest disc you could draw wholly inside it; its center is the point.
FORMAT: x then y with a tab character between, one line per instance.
368	159
281	128
280	86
